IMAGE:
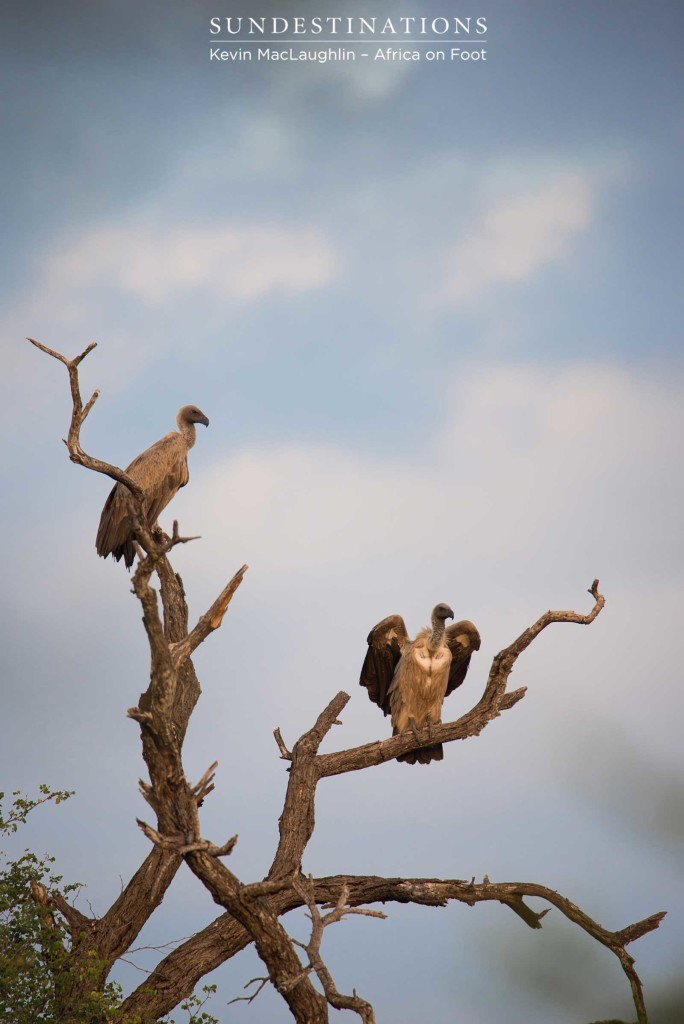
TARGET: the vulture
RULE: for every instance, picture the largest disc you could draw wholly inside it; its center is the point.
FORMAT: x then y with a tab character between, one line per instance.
160	471
409	679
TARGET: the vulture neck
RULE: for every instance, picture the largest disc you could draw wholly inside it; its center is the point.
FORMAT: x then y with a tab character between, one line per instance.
187	431
437	635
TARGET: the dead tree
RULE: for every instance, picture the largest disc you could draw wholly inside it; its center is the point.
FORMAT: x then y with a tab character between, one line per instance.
253	911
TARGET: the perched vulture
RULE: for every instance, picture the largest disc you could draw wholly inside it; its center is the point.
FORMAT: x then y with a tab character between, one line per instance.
409	679
160	471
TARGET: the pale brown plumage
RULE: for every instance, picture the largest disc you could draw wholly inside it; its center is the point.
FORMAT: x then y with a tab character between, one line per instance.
410	679
160	470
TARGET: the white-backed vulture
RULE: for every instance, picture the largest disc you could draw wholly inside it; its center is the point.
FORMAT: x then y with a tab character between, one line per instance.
160	470
409	679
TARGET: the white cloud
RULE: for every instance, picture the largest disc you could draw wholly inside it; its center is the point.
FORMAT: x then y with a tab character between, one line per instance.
529	457
242	263
114	281
517	234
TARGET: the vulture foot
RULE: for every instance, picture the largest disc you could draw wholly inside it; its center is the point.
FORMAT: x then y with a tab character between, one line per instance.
412	727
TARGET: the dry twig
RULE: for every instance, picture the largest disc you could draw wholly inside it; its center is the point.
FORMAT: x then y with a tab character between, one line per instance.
341	909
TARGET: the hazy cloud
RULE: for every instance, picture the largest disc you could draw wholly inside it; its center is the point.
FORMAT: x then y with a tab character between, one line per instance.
242	263
516	235
528	456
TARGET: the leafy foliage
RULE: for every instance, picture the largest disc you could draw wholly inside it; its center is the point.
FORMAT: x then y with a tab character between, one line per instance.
35	945
194	1007
37	965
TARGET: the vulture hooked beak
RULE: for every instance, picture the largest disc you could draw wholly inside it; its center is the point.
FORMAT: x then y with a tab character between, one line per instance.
191	414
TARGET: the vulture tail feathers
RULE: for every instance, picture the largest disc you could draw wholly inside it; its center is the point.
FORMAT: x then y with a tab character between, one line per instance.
127	552
114	535
424	755
435	752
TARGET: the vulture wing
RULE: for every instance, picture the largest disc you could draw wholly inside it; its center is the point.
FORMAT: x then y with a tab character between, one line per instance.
462	639
385	642
160	470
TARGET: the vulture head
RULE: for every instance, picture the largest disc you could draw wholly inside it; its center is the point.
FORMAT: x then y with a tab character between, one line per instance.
191	414
442	612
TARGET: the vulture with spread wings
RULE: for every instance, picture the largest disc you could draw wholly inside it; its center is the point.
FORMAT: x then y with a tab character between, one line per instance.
160	470
409	679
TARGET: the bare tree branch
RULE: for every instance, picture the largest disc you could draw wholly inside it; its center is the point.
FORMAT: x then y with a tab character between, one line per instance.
118	928
208	622
306	891
471	724
284	752
176	976
78	415
250	999
168	543
180	845
297	821
272	942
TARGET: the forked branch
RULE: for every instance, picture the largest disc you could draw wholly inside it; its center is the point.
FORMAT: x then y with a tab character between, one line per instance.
341	909
208	622
79	412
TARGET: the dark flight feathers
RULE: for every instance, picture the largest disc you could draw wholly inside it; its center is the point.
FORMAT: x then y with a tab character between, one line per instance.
385	642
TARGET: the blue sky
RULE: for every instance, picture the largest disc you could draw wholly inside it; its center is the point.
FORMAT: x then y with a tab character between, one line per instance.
433	314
